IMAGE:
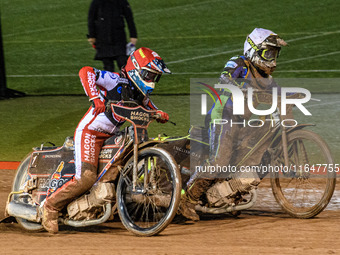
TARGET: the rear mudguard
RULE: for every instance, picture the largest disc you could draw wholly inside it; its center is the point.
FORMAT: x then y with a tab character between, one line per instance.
52	167
49	169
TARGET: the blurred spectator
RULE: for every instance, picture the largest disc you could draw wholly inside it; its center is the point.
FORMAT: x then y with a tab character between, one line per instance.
107	34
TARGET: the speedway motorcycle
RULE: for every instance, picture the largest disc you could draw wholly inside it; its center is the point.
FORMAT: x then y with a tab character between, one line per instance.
297	161
136	178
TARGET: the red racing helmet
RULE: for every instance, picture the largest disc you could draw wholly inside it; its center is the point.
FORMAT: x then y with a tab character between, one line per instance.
144	68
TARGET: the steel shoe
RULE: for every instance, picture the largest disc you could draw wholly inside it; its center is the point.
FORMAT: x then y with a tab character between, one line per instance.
50	220
187	209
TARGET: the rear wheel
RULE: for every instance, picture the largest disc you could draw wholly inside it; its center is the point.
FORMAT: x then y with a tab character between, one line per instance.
20	181
148	209
304	187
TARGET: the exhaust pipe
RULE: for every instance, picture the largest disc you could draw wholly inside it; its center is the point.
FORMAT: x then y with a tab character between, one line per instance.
24	211
228	209
29	212
85	223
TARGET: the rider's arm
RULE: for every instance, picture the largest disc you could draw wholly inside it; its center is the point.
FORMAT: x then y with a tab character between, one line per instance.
88	79
92	79
163	116
148	104
235	68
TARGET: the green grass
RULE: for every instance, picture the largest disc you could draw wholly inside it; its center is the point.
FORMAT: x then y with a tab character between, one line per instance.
53	118
45	45
43	37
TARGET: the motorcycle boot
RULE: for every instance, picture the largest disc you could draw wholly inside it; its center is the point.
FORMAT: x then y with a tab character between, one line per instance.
191	198
187	208
50	220
220	153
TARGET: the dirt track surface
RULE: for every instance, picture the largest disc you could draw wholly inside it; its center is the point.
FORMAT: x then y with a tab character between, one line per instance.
263	230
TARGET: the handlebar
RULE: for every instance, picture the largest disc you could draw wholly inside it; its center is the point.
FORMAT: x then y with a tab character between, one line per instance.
158	116
133	104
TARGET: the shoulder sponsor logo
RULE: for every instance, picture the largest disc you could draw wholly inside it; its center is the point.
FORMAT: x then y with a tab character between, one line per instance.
231	64
91	79
113	76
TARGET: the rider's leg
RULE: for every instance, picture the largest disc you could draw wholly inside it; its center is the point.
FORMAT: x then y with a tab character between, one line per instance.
74	188
88	143
192	196
199	184
221	146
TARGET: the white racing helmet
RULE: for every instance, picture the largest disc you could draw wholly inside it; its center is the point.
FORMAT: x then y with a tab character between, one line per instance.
262	47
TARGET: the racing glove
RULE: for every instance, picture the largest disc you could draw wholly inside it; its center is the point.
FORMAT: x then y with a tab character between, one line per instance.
163	116
99	106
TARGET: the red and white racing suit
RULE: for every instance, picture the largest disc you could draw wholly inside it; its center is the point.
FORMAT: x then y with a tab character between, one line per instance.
93	130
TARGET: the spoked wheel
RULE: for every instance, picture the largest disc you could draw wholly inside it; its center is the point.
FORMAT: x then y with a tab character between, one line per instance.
304	187
151	206
18	187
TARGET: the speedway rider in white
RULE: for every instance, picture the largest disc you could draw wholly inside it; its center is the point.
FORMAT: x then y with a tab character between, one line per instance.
135	82
254	69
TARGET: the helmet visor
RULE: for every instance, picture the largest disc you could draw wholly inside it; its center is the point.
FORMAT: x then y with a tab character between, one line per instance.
150	76
270	53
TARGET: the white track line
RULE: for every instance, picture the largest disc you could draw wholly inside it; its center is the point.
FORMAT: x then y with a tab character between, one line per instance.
223	52
183	73
181	7
333	102
314	35
311	57
84	23
308	71
40	75
42	29
277	71
203	56
241	49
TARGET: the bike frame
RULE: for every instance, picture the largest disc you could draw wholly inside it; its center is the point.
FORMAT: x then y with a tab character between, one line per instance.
140	118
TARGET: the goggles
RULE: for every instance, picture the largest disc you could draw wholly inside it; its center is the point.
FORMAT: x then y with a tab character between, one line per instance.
150	76
270	53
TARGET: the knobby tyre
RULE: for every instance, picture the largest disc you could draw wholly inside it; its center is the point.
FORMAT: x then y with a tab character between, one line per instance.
304	187
150	208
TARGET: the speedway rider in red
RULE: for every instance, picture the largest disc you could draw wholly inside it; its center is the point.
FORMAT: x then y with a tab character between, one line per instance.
135	82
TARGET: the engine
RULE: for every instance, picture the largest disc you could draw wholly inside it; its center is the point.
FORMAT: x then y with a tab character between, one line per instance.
90	206
227	192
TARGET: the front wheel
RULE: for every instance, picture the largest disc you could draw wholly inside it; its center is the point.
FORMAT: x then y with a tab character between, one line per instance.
150	207
304	187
